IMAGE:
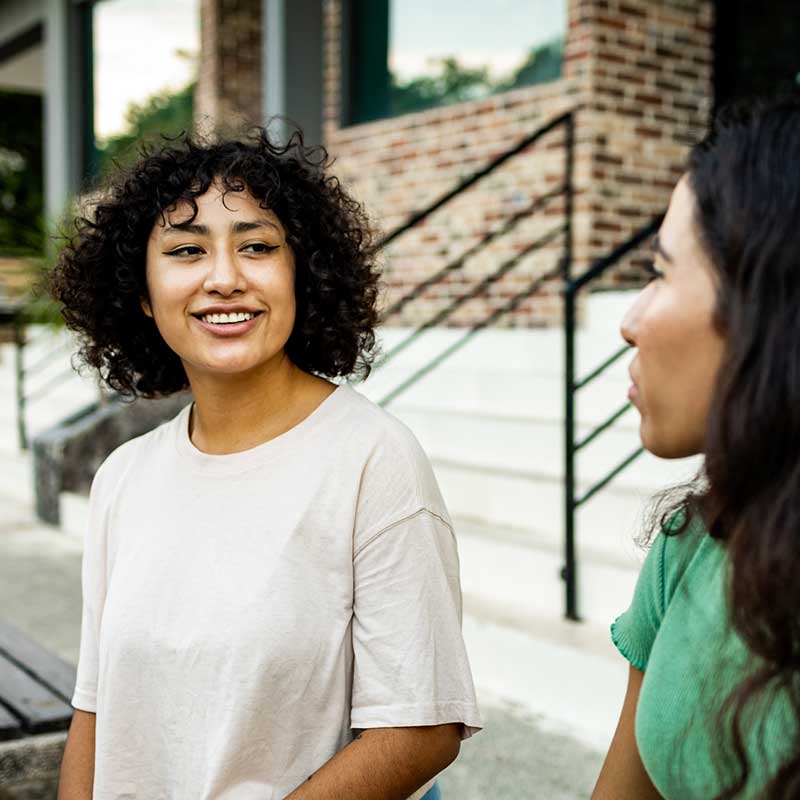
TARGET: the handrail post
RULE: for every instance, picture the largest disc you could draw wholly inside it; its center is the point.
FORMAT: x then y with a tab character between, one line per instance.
569	192
19	365
569	571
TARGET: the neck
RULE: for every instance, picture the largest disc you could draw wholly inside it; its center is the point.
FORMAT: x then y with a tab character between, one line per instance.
236	412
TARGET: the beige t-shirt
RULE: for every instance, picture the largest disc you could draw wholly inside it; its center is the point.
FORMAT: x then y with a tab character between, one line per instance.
244	613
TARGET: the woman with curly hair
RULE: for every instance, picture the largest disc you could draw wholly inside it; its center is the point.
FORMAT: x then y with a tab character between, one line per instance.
713	633
270	580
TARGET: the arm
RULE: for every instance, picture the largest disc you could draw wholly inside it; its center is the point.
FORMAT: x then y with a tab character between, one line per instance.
623	776
77	766
383	764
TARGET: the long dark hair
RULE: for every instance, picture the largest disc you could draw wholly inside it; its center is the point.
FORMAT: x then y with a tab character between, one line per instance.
745	176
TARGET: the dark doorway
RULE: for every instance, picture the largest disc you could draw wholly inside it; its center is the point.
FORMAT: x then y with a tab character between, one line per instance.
757	48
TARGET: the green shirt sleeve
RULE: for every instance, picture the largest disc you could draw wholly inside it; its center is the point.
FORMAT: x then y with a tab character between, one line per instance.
635	631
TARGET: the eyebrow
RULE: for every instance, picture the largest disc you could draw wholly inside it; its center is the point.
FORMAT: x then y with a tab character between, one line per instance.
203	230
659	250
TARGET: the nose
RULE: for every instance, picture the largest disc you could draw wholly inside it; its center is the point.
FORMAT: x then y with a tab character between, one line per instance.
223	276
627	327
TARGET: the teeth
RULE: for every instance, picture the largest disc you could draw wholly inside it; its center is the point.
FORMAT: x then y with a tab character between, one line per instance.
223	319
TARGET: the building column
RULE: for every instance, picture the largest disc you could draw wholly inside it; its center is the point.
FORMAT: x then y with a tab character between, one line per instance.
261	59
229	87
68	123
293	81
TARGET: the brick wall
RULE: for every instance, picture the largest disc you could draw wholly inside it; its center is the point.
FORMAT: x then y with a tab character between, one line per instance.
650	99
641	72
398	165
229	82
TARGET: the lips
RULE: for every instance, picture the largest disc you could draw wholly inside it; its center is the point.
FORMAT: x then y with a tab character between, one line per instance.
229	328
225	310
633	390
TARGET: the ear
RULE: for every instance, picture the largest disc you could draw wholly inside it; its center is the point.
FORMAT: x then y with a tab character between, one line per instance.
145	303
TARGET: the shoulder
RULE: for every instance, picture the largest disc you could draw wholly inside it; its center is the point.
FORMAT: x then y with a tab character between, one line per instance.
676	551
396	478
663	574
389	442
130	454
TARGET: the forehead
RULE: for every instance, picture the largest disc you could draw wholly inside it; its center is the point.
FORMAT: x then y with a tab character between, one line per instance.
678	234
217	205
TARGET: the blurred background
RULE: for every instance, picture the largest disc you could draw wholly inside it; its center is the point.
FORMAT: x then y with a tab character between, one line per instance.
515	158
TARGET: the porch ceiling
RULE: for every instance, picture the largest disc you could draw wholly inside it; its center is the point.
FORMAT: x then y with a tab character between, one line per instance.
24	72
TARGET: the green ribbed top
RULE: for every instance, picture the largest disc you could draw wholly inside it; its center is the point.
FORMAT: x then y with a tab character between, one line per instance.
677	630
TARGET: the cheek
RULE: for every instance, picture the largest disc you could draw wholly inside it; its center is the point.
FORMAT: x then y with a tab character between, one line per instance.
680	357
279	291
169	289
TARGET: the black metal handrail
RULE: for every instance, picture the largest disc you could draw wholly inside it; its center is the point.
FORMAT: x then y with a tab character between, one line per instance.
479	288
24	373
506	308
571	387
416	217
566	119
458	263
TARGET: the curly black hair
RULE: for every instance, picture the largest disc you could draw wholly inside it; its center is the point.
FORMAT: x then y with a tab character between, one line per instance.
99	278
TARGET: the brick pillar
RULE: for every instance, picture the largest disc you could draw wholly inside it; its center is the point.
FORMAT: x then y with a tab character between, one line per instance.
649	99
229	87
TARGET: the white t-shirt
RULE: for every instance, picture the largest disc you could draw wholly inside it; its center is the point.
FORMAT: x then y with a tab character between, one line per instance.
244	613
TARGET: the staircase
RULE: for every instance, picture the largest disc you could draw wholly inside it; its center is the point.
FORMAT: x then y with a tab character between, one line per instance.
491	419
63	393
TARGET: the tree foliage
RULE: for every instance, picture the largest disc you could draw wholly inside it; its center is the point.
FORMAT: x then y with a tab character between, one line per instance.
21	175
166	113
452	82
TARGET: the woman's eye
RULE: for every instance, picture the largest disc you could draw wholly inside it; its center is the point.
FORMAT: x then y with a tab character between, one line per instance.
653	272
186	251
258	247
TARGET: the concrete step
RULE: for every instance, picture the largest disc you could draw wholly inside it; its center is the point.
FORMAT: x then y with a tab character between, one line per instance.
535	447
497	391
58	401
516	575
522	500
571	688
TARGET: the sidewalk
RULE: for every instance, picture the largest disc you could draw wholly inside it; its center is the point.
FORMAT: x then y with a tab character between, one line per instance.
548	696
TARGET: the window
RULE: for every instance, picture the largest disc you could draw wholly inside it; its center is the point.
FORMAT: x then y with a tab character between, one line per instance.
21	157
142	91
410	55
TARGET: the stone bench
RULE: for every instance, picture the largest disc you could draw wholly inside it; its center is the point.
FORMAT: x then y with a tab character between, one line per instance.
35	690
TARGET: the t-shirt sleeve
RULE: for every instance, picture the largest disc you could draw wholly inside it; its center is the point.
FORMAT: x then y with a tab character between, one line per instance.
94	577
410	662
634	632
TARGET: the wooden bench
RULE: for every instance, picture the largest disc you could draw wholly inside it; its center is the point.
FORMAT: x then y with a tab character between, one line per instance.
35	689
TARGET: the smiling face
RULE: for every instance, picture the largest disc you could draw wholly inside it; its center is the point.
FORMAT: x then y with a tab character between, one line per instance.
221	287
680	349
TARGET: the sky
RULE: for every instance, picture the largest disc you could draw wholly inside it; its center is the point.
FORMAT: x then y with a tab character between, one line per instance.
497	34
124	69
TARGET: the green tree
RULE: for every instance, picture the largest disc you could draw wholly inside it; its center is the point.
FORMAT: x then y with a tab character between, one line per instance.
542	64
21	175
165	113
450	83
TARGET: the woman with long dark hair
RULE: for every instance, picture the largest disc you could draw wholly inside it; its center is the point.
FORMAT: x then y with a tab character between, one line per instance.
713	632
270	580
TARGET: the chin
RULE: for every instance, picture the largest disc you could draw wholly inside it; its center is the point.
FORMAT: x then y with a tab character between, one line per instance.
667	446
